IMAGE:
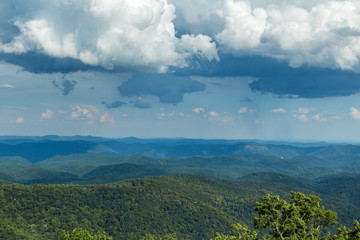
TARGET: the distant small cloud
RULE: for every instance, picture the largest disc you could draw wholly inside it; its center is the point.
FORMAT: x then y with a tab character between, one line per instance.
106	118
319	118
354	113
213	114
161	115
302	114
243	110
176	114
278	110
116	104
6	86
301	117
198	110
47	115
19	120
217	117
246	110
84	112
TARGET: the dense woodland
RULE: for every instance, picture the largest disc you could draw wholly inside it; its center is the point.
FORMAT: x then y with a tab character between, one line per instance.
190	189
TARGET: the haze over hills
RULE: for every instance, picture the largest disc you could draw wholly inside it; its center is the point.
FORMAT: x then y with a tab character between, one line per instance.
80	155
239	170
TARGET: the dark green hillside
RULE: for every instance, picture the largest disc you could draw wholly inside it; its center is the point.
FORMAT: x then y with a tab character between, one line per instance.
6	177
337	150
42	175
279	178
80	164
343	187
13	164
193	207
120	172
37	151
230	149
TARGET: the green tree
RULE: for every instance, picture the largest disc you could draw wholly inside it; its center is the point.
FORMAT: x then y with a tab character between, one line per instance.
81	234
345	233
301	218
166	237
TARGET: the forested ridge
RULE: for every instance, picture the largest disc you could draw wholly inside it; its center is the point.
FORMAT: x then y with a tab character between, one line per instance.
192	207
186	188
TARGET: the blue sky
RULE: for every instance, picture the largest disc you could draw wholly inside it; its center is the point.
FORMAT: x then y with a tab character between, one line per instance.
262	69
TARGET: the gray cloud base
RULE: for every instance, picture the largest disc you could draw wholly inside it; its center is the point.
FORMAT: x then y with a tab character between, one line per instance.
168	88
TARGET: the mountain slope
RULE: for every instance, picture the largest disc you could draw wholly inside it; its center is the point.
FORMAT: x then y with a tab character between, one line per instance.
193	207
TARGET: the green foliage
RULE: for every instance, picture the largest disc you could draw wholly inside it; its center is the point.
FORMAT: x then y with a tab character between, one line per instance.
81	234
242	232
301	218
165	237
345	233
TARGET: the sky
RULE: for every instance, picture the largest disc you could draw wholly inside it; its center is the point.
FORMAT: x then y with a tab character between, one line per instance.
229	69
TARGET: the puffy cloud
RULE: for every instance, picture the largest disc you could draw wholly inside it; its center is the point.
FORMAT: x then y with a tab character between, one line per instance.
19	120
116	104
90	113
168	88
244	26
198	110
48	114
324	34
302	114
278	110
200	45
217	117
246	110
307	114
243	110
319	118
214	114
84	112
106	118
120	34
354	113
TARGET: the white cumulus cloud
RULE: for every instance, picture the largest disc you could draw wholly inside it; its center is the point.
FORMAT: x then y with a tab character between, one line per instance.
19	120
354	113
244	110
278	110
136	34
198	110
48	114
319	33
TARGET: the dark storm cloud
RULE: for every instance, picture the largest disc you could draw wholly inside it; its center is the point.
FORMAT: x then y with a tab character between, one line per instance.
278	78
39	63
65	86
116	104
168	88
309	83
